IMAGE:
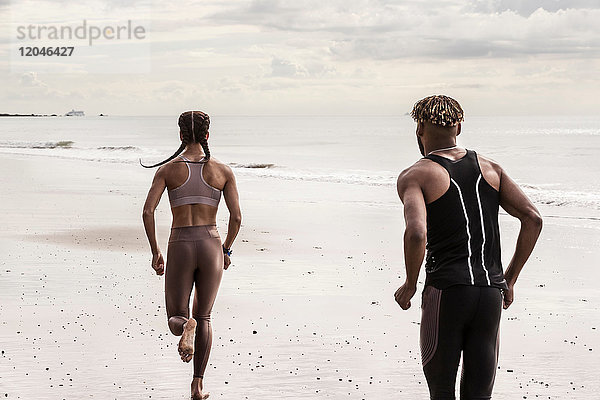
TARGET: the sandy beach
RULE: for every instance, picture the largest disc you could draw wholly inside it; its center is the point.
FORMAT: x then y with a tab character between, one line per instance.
317	106
306	310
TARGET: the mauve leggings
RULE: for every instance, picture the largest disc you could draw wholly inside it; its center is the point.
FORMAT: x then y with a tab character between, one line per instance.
194	257
460	319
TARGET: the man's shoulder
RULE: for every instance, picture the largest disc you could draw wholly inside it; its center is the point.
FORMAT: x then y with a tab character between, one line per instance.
415	175
420	169
485	161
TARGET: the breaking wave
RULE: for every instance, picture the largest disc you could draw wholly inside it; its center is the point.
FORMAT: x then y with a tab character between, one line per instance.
63	144
551	195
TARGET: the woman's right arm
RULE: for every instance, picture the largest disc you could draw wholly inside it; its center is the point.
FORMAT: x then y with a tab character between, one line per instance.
232	200
156	190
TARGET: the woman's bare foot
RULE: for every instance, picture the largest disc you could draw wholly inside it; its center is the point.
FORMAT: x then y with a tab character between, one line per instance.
186	343
197	393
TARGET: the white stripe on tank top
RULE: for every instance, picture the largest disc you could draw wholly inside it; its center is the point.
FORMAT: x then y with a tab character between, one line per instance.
462	203
477	186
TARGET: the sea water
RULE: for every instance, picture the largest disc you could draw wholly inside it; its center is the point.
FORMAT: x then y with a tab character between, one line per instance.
554	159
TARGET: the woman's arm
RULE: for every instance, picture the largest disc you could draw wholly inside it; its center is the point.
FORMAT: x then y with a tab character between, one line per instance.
156	190
232	200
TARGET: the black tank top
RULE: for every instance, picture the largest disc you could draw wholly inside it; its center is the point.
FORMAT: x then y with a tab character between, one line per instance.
463	239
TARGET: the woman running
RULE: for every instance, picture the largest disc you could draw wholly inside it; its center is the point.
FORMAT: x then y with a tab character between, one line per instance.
195	255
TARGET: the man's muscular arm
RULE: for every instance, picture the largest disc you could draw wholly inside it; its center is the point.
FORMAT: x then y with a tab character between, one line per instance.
516	203
415	233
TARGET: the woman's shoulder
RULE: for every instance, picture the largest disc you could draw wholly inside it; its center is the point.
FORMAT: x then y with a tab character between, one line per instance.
220	168
167	170
215	163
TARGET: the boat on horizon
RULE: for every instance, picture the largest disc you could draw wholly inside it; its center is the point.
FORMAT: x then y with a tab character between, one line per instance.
74	113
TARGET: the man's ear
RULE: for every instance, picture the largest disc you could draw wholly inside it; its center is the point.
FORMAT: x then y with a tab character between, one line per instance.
458	129
420	126
207	134
180	135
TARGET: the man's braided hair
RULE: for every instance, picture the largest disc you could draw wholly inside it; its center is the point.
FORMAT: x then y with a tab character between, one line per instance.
438	109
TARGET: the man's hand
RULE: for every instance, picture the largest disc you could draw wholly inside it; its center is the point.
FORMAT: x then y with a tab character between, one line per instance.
508	296
226	261
158	263
404	294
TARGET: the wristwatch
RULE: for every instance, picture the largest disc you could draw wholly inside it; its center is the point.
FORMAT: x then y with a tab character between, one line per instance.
227	251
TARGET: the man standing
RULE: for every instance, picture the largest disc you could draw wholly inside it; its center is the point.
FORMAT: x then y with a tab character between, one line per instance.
451	199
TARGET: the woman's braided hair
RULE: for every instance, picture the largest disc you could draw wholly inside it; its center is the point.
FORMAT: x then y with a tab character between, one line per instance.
194	129
439	109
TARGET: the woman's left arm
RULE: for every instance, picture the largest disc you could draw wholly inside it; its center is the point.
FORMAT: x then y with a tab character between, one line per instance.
232	200
156	190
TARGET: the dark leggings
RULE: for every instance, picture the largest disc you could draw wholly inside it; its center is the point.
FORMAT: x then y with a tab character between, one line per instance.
194	257
460	319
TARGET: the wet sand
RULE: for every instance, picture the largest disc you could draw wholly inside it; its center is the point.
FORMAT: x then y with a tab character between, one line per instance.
306	310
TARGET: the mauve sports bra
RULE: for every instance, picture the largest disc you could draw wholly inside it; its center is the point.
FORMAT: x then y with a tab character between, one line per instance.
194	190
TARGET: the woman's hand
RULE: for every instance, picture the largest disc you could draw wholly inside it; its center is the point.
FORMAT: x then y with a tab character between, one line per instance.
156	190
158	263
226	261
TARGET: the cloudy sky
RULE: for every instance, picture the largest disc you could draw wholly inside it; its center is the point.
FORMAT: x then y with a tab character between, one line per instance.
267	57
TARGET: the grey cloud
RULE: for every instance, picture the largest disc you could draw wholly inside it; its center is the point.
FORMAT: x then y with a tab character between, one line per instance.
170	90
460	48
527	7
31	80
382	29
134	8
29	87
266	13
106	3
400	48
110	4
284	68
465	86
338	16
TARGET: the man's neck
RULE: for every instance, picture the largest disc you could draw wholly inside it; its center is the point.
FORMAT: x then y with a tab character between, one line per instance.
441	146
